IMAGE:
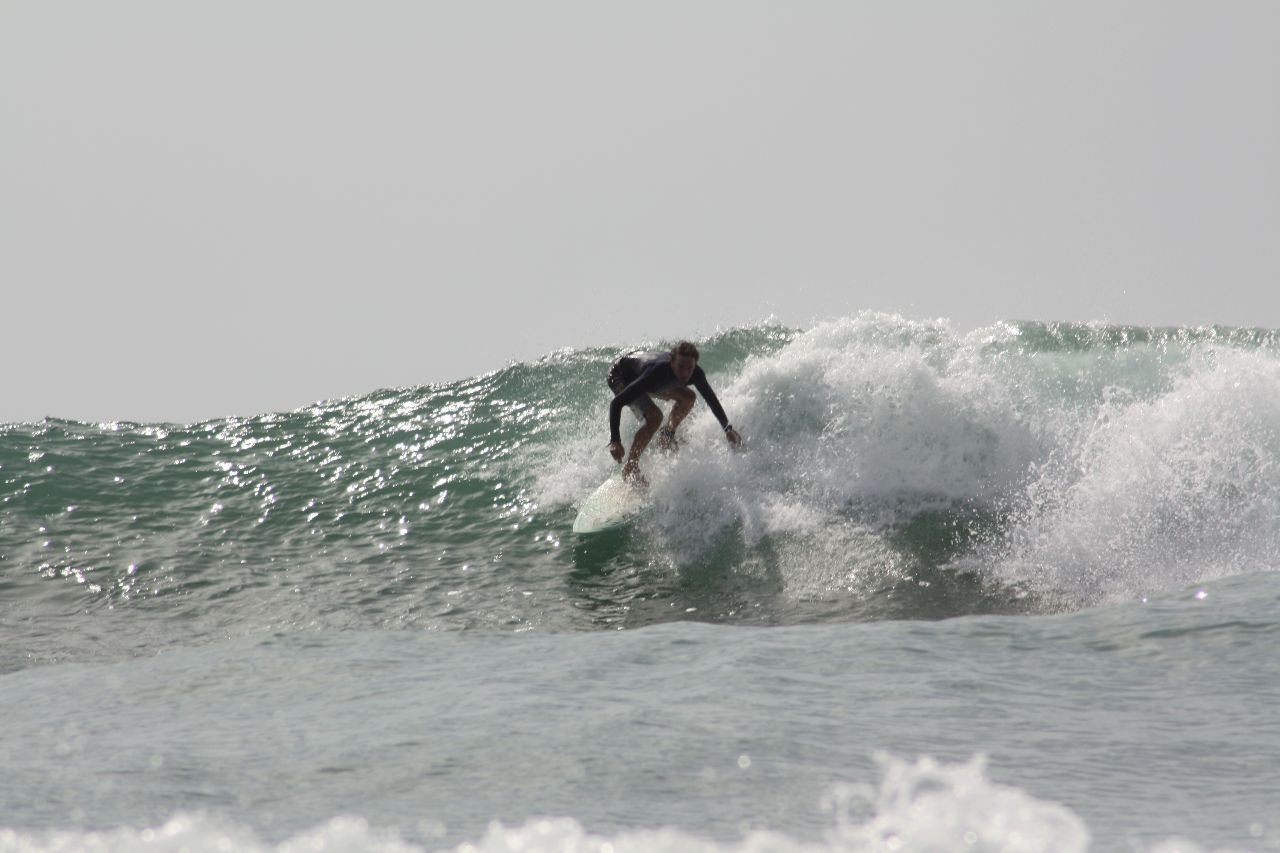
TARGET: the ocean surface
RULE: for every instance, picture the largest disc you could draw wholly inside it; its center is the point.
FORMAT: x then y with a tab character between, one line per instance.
1010	589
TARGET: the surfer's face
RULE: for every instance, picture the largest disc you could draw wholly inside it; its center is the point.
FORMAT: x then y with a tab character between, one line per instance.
684	365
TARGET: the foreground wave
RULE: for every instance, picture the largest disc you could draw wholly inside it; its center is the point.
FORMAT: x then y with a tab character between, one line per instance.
920	806
894	469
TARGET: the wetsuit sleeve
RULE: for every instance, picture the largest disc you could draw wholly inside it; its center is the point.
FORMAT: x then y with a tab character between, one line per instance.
615	417
700	382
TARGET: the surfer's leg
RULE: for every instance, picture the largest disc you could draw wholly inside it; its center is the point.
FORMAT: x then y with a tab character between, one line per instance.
683	398
652	420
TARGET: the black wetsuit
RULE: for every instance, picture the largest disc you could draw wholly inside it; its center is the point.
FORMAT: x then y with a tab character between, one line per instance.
634	377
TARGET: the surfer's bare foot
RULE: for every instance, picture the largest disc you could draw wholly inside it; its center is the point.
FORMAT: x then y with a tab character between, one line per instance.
667	441
631	474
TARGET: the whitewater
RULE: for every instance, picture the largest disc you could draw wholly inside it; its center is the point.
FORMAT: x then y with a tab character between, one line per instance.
1011	588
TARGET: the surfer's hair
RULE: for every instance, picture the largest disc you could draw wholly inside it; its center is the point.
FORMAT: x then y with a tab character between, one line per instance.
684	348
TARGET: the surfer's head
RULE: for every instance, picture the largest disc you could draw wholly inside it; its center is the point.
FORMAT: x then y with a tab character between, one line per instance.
684	360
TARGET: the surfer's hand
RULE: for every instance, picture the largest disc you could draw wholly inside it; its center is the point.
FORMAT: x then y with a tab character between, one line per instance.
615	450
734	438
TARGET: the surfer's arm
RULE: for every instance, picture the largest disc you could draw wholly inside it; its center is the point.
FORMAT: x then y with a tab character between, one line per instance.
700	382
615	421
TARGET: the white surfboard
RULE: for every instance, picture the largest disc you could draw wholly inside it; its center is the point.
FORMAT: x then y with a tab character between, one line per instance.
612	505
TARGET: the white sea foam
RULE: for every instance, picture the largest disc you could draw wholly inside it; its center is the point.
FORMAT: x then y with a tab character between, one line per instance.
875	408
1123	464
1164	491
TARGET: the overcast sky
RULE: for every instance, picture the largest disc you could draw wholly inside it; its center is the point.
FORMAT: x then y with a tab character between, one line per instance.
236	207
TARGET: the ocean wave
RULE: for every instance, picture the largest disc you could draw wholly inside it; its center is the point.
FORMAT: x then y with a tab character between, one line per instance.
893	468
919	806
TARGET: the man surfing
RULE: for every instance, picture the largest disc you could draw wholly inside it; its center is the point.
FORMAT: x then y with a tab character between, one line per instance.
636	379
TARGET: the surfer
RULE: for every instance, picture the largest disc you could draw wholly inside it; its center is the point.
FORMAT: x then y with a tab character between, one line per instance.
637	378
